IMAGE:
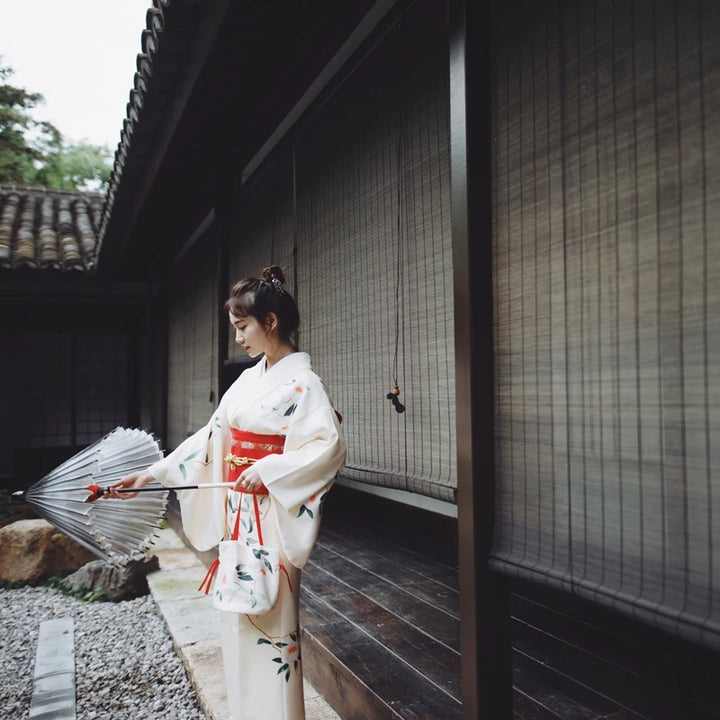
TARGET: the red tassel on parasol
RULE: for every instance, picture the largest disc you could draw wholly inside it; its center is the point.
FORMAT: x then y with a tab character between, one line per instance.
115	530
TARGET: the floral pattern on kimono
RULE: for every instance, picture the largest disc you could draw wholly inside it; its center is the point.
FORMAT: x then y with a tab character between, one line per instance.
289	399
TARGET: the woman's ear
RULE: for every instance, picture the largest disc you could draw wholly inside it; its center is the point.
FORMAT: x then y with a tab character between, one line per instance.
272	322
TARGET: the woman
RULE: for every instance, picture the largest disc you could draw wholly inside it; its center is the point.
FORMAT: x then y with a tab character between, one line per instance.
276	435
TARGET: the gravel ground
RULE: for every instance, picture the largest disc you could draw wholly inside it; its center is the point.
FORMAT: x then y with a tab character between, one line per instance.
125	665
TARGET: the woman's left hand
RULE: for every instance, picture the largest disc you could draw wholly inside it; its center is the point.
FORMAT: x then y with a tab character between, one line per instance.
249	480
135	480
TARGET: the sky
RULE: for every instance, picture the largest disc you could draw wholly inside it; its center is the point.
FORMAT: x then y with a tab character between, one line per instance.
80	55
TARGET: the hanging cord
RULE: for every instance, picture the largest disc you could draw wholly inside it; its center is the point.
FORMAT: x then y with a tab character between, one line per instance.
394	394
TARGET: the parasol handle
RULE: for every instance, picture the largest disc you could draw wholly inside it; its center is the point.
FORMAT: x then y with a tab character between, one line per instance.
97	491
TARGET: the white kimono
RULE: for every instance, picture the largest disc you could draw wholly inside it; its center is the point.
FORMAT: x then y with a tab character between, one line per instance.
262	653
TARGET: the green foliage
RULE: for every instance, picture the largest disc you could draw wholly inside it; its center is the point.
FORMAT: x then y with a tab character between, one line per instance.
18	152
12	585
56	582
33	152
61	585
75	166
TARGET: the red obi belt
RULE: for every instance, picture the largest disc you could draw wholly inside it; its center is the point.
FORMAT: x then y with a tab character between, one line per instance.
248	447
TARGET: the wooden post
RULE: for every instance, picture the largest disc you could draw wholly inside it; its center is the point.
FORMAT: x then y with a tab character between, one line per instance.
486	678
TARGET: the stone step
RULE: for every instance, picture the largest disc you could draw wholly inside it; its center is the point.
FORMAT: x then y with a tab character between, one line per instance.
54	679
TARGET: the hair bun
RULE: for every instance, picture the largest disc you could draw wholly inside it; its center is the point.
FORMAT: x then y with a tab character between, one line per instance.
274	272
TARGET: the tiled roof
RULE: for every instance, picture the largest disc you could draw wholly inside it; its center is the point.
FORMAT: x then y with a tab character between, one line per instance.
48	229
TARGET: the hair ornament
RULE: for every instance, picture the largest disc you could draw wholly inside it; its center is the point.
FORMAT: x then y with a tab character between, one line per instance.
274	275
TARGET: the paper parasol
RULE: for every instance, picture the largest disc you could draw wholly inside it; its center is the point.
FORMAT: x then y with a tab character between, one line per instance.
115	530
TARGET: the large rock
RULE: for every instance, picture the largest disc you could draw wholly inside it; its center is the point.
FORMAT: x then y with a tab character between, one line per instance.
32	550
111	582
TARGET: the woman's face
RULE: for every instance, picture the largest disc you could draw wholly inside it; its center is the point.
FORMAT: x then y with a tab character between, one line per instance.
251	334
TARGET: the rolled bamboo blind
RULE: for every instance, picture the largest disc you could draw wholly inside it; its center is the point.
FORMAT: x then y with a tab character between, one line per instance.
606	193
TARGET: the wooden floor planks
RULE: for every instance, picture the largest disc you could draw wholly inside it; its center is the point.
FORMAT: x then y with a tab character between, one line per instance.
424	603
382	641
370	654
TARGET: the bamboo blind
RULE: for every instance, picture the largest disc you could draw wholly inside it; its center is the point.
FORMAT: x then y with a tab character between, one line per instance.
44	413
374	260
193	346
357	210
264	223
606	192
82	398
101	395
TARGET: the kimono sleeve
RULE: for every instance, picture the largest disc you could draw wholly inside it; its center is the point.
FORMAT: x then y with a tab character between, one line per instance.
300	477
198	461
314	454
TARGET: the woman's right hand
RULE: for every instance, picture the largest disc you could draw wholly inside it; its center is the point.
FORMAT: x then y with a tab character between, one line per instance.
135	480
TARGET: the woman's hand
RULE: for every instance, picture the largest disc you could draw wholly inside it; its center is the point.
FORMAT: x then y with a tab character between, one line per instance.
135	480
249	480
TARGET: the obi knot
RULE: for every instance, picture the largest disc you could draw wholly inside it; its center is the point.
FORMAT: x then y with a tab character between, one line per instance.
246	448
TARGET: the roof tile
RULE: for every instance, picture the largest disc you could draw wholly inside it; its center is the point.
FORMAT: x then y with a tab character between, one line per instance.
48	229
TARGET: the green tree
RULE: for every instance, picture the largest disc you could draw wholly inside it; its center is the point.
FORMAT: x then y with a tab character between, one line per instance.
75	166
33	152
22	138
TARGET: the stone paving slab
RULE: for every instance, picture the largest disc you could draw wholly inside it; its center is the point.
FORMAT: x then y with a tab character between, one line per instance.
177	583
203	661
54	677
190	620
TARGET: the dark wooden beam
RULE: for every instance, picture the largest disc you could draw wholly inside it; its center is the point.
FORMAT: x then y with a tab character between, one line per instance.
486	678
